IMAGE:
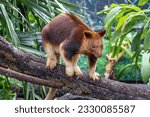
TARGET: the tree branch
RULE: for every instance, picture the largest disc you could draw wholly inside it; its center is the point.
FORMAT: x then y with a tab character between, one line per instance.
24	77
28	64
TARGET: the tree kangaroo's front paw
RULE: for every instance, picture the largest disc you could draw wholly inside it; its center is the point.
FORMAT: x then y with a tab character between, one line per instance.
77	71
69	71
51	64
94	76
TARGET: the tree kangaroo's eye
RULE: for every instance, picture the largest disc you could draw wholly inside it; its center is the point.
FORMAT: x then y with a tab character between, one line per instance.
94	46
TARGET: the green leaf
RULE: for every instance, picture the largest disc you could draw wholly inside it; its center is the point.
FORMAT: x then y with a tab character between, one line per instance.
131	7
122	70
69	5
9	25
116	36
145	67
147	41
27	90
135	45
122	20
7	94
132	21
61	6
103	11
28	38
31	50
114	42
111	18
128	52
113	5
111	15
14	8
145	30
142	2
37	96
120	43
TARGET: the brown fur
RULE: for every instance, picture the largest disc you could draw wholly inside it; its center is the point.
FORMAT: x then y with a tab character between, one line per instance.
67	35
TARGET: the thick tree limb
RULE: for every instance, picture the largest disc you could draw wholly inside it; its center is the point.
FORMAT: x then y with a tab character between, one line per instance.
32	65
20	76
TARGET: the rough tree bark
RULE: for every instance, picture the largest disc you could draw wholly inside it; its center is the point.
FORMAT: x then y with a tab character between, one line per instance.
28	64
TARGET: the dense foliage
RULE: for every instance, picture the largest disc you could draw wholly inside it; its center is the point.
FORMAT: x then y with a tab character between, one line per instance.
130	24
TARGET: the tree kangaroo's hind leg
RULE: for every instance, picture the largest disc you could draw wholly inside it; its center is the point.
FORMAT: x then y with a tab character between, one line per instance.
51	56
50	64
52	91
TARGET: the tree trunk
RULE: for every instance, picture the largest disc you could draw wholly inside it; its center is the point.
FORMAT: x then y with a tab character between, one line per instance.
28	64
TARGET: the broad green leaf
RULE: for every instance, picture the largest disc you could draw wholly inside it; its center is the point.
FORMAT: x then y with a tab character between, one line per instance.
135	45
145	67
131	7
136	55
142	2
122	70
120	43
111	15
128	52
111	18
145	30
116	36
122	20
145	11
147	41
114	49
132	21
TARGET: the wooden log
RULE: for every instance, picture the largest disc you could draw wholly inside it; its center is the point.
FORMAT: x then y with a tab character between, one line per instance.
28	78
29	64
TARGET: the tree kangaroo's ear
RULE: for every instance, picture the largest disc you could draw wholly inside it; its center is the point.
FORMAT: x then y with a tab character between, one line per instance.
102	32
88	34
